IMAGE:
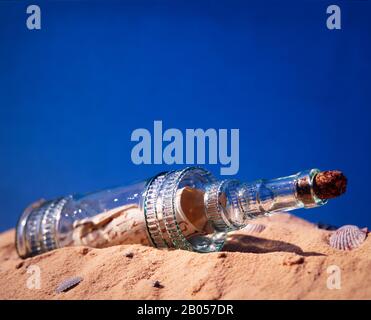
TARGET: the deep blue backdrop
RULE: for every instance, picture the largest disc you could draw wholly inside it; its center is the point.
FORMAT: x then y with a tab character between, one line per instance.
72	93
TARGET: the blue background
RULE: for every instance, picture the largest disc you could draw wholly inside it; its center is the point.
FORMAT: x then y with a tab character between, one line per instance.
72	92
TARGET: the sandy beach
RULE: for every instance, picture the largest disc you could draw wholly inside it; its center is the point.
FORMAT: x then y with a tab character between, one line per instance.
289	259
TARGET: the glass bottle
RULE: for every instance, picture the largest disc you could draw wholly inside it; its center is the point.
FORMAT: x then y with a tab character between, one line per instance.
184	209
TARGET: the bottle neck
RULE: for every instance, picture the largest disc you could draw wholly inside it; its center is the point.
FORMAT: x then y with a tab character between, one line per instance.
230	204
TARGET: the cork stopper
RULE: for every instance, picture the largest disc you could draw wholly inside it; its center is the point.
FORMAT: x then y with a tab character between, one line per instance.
329	184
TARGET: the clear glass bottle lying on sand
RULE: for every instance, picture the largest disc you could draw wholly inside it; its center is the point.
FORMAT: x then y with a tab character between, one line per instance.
184	209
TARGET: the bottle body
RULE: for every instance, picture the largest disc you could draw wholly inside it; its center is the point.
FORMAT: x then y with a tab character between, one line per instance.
100	219
91	220
185	209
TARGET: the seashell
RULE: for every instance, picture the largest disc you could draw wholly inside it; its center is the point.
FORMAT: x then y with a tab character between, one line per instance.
347	237
254	228
68	284
157	284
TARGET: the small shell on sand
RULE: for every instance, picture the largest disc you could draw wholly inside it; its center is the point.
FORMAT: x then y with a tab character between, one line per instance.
129	254
157	284
254	228
348	237
68	284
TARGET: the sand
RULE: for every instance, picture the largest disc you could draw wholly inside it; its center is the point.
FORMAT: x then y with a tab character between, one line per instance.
289	259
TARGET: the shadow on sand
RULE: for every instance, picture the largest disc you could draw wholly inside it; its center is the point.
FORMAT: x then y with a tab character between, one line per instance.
248	243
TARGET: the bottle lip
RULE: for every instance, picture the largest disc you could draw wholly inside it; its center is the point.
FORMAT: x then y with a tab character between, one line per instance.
305	182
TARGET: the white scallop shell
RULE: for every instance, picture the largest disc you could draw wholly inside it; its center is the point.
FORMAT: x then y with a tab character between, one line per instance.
347	237
254	228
